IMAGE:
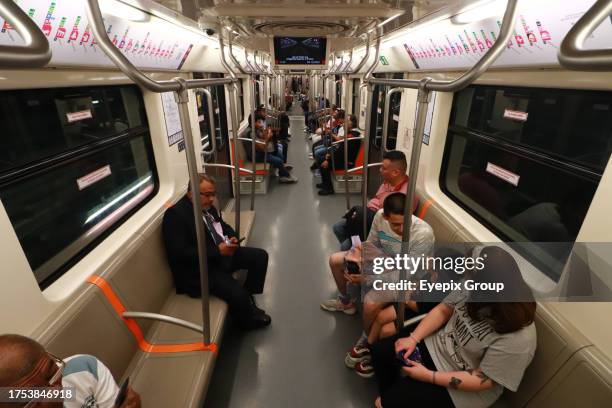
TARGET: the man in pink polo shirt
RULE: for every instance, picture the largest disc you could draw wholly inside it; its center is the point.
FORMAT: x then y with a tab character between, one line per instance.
393	173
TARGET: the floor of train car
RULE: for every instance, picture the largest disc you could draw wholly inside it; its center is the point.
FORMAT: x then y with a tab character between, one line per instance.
299	360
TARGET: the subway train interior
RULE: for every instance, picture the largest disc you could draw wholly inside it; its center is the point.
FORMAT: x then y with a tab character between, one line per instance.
309	128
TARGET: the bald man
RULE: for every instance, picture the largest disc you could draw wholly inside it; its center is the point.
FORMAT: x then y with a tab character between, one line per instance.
26	363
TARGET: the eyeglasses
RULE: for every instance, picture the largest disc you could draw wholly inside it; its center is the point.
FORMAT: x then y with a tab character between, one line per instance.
60	365
208	194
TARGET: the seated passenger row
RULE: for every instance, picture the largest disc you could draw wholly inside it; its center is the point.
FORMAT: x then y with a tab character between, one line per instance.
463	353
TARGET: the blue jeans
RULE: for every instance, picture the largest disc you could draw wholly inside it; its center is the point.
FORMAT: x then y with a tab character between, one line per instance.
275	161
342	233
319	153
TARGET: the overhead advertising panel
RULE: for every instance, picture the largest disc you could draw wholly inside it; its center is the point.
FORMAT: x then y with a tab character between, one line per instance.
460	41
147	41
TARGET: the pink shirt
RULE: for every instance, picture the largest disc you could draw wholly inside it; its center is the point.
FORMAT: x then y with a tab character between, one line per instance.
384	190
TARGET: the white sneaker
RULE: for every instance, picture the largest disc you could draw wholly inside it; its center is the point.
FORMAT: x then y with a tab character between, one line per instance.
335	305
290	179
310	156
289	166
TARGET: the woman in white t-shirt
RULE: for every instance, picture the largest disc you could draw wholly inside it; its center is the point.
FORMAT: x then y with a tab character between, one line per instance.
471	346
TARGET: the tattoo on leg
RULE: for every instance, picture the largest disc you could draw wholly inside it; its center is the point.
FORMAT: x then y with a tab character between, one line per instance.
454	383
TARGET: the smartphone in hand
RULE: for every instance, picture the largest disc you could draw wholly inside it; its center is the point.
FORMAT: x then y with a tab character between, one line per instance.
122	393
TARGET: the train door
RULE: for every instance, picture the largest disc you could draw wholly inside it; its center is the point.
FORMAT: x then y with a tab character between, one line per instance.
222	176
378	108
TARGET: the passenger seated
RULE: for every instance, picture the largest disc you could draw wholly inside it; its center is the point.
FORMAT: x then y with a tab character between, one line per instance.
337	152
271	153
470	349
25	363
224	256
386	233
383	324
335	134
393	173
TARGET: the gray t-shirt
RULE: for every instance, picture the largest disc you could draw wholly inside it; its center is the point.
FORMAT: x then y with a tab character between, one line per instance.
464	344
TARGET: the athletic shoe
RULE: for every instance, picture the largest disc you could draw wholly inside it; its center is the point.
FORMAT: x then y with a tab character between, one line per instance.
364	369
288	167
317	173
335	305
290	179
357	354
310	156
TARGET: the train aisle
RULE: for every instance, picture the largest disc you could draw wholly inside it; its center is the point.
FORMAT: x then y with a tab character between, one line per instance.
299	360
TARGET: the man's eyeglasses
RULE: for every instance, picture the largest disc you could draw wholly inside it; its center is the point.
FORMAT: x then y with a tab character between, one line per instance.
59	365
208	194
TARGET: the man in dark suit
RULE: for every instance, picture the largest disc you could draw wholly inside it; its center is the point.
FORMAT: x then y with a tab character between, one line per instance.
224	256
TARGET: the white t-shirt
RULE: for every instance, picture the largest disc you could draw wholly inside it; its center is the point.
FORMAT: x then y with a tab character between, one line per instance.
93	382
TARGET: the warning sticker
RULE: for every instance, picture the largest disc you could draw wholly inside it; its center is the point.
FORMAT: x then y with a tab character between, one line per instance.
93	177
80	115
503	174
515	115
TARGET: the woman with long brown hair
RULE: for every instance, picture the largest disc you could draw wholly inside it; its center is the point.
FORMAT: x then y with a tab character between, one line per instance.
471	346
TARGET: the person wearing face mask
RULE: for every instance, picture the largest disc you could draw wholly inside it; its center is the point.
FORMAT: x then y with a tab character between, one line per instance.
25	363
224	256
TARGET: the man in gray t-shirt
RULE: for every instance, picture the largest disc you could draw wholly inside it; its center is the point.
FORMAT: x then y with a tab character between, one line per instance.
464	344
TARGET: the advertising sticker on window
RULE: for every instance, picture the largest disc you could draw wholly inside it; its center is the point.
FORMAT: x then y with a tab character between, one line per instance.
503	174
93	177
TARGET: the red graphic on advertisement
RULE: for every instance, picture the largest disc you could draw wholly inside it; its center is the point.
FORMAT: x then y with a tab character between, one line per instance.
47	27
74	34
61	30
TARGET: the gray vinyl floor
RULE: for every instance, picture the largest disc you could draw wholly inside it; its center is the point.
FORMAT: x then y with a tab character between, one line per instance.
299	360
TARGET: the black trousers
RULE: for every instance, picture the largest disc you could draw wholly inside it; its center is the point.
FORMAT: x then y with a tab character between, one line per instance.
225	287
400	392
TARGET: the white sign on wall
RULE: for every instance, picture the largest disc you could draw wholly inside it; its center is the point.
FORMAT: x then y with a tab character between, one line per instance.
147	41
539	30
174	129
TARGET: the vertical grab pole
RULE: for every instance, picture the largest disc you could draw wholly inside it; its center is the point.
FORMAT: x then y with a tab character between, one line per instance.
253	136
366	154
182	99
211	121
346	102
423	98
366	140
232	90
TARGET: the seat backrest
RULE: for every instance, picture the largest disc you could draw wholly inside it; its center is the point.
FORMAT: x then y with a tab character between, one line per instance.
87	324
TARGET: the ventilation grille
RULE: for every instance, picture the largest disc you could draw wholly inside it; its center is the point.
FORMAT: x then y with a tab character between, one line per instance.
300	28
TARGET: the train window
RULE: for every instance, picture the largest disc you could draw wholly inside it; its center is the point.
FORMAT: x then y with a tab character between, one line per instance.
240	100
378	107
355	108
204	122
76	162
527	161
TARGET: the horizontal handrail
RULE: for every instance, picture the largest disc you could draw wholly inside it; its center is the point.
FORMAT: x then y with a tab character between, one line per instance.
175	85
36	51
571	55
350	139
246	139
227	166
164	318
473	73
371	165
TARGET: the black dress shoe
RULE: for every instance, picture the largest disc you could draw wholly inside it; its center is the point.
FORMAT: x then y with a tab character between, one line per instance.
326	192
257	321
314	166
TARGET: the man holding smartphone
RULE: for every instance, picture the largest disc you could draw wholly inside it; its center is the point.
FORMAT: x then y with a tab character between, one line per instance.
224	256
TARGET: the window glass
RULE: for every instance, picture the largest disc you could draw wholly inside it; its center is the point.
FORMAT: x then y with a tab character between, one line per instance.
355	109
564	124
44	122
512	179
71	195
